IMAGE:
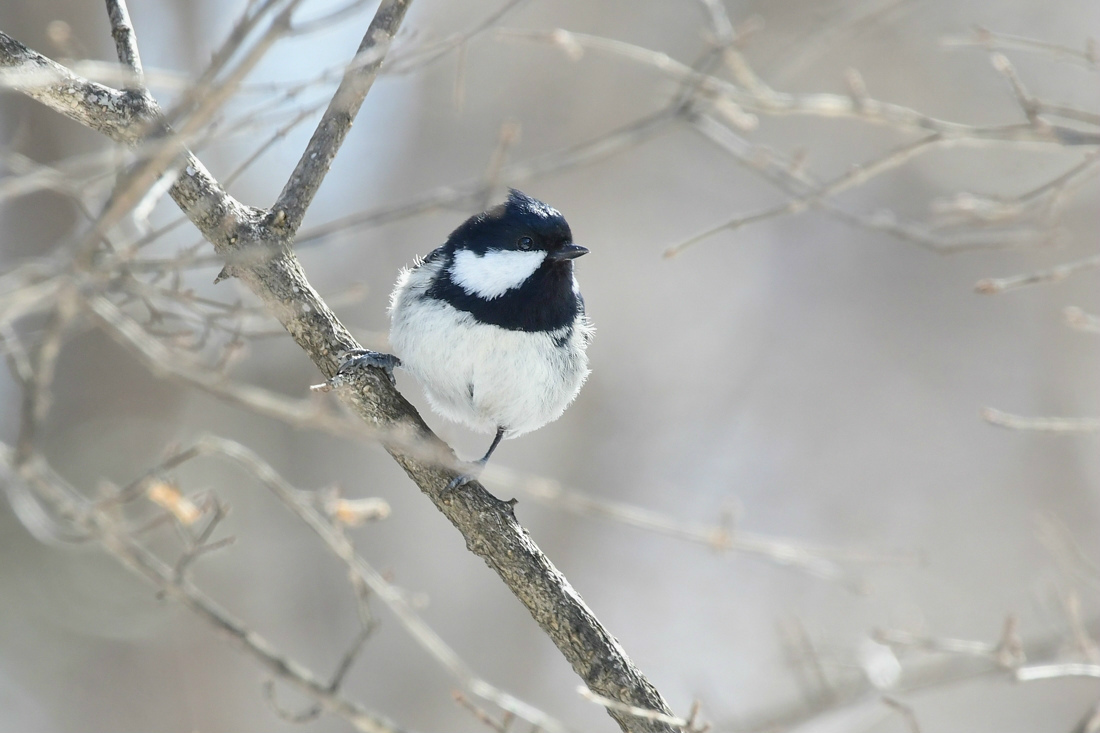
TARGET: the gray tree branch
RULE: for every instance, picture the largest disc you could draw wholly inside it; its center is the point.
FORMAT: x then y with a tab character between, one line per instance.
122	30
312	167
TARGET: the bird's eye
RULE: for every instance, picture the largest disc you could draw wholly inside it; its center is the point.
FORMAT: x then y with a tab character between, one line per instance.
525	243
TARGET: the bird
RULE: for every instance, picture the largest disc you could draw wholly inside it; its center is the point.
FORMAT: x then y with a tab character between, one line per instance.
492	323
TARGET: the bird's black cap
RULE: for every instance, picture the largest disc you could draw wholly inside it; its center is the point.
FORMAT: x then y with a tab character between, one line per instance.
521	222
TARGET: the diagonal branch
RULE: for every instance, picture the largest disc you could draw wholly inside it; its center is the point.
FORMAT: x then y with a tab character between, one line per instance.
302	186
122	30
101	108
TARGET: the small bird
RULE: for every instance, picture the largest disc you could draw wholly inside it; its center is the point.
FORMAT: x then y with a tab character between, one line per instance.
492	324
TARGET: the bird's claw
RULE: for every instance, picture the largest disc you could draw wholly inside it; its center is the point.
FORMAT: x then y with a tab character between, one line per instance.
458	482
357	358
472	473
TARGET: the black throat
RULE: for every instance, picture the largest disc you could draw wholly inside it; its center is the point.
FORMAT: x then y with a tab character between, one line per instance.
545	301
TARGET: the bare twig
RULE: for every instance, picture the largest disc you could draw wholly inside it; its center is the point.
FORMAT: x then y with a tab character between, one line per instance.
257	246
857	176
125	40
822	562
500	726
305	715
506	140
995	41
850	21
1074	560
1025	100
1041	424
418	58
941	645
632	710
1008	652
1090	722
803	656
37	391
170	153
905	711
1081	321
469	193
303	183
1040	277
783	173
1055	671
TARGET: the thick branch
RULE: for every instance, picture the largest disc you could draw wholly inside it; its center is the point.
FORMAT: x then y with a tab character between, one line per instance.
116	114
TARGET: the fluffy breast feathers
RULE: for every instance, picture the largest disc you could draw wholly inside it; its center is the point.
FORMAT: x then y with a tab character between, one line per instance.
479	374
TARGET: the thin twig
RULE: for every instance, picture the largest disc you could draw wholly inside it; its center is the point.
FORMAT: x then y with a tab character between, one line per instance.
303	183
1056	671
995	41
856	176
1041	424
632	710
991	286
468	193
787	177
818	561
1007	652
1025	100
419	58
1081	321
122	30
905	711
1090	722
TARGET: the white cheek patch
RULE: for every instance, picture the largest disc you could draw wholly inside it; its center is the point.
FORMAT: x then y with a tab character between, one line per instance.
494	273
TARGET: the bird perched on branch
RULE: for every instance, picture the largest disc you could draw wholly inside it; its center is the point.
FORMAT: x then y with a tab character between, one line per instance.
492	324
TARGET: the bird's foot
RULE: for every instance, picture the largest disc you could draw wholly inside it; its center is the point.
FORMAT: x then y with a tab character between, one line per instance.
472	474
459	481
357	358
477	466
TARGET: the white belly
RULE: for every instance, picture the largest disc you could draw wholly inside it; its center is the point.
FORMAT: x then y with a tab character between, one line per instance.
484	376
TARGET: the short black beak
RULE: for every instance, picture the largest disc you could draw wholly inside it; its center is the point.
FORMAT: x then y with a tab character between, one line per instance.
566	252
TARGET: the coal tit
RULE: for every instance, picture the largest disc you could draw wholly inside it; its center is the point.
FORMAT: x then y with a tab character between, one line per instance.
492	324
